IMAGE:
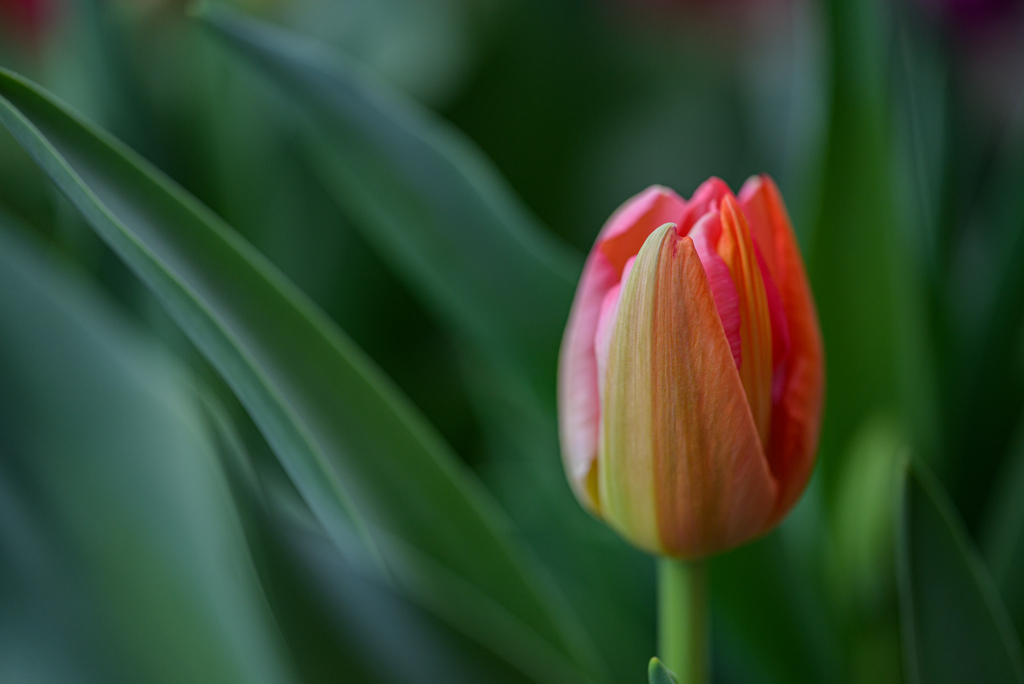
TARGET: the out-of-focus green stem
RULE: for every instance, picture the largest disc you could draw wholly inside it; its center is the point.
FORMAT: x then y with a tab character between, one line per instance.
683	643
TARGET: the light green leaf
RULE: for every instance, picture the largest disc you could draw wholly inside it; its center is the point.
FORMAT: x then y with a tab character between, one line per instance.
860	555
426	198
657	673
362	457
121	555
955	626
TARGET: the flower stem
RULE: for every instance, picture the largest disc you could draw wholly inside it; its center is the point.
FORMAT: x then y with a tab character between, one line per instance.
683	643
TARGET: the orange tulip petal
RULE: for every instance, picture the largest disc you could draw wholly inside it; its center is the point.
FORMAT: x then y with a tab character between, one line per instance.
682	470
780	325
705	234
797	413
626	476
714	487
737	250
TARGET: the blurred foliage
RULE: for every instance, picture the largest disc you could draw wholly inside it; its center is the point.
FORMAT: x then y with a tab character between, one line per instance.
425	176
123	557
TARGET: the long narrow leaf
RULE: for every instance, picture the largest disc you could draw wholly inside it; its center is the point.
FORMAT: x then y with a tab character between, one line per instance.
425	197
362	626
1002	532
363	459
121	555
955	626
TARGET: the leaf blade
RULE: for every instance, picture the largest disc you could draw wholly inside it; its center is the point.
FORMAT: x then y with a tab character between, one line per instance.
657	673
132	557
1002	531
361	456
954	623
425	197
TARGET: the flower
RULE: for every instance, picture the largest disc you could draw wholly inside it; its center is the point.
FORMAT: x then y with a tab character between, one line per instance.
690	374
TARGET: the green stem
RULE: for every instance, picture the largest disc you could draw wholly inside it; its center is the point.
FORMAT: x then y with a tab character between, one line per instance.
683	643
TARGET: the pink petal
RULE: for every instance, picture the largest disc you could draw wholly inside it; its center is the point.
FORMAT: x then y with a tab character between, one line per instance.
578	400
705	198
705	235
780	326
603	336
605	327
755	207
626	231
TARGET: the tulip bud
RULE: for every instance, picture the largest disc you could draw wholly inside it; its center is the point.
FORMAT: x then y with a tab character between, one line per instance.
690	376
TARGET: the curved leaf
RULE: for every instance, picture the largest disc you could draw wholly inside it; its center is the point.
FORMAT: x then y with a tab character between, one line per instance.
657	673
425	197
334	617
363	459
955	626
121	555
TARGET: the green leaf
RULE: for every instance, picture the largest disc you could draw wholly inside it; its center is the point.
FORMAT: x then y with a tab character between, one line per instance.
123	558
334	617
763	603
659	674
983	402
852	252
955	626
860	555
609	583
426	198
1002	532
362	624
364	460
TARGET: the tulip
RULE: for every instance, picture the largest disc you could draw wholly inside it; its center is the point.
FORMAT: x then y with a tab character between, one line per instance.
690	374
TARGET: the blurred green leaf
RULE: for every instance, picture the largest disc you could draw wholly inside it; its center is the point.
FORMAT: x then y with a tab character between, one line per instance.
609	583
917	137
1002	532
657	673
426	198
858	550
335	617
861	558
121	555
985	393
359	620
426	47
955	626
361	456
356	131
852	252
761	600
